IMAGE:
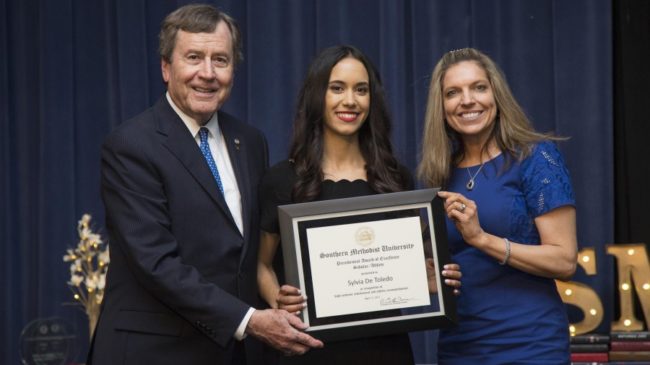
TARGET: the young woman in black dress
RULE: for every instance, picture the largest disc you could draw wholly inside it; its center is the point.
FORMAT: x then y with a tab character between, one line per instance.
340	148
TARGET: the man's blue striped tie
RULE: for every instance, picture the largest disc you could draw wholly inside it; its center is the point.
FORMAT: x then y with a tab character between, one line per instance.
205	149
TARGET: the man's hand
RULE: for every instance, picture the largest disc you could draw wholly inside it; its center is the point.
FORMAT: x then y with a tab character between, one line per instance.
281	330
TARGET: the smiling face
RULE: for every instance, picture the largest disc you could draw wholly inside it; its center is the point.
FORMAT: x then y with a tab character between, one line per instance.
200	74
470	108
347	98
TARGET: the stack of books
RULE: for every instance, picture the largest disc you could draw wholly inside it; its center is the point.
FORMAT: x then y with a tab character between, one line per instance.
630	348
590	349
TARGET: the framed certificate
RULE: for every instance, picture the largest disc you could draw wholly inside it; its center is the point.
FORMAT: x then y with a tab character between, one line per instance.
369	265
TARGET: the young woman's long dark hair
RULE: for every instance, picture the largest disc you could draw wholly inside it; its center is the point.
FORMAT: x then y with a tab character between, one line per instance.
382	169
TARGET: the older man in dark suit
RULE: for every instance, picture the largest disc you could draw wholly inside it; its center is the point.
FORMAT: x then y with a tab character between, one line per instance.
179	183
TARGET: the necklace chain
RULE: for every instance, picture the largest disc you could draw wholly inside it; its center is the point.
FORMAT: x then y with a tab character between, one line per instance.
470	183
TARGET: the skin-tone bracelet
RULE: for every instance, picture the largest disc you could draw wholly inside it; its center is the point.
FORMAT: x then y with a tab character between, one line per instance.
507	257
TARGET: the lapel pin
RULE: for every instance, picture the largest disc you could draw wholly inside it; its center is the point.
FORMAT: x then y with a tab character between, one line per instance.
237	144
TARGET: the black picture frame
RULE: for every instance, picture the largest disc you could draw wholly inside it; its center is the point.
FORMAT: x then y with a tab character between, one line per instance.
299	222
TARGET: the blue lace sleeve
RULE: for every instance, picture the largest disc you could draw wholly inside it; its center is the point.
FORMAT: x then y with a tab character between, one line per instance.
546	180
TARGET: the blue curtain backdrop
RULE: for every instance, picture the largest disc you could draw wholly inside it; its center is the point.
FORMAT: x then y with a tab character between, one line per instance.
70	71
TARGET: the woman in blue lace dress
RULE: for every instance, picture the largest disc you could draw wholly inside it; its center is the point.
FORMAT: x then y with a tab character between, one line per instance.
511	216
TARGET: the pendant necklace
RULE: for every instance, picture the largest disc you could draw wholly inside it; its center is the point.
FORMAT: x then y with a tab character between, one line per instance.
470	184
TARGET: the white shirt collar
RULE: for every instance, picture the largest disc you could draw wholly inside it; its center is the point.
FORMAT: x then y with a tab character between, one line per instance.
193	125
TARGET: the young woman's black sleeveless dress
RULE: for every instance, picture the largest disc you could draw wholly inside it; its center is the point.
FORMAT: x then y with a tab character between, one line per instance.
275	190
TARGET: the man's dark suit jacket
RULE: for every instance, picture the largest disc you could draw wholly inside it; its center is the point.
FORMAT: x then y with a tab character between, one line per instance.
181	276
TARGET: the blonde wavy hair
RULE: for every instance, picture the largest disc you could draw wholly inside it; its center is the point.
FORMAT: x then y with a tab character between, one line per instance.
442	147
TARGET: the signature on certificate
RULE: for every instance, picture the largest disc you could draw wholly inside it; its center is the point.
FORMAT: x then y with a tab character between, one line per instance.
393	300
